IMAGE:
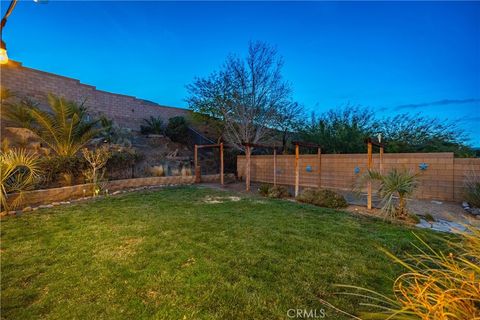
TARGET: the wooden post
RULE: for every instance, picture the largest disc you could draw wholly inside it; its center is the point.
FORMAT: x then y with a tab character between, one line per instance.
197	167
369	184
247	175
221	164
274	166
297	169
319	154
381	160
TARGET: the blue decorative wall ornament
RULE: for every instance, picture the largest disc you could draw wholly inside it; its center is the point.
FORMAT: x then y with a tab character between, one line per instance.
356	170
423	166
279	171
309	168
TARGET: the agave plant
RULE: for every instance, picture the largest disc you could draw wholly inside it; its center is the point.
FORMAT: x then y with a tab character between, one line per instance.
19	172
65	128
395	183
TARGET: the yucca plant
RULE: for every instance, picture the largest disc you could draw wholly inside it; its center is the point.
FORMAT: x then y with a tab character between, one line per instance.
395	183
65	128
19	170
436	285
152	126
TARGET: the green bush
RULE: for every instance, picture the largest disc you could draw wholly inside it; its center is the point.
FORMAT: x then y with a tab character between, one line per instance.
264	188
177	129
322	198
61	170
278	192
271	191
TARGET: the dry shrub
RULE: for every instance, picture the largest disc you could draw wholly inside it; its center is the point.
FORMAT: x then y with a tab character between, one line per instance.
186	171
472	188
157	171
437	285
322	198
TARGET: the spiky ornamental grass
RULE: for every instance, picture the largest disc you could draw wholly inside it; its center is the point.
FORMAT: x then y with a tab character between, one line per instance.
436	285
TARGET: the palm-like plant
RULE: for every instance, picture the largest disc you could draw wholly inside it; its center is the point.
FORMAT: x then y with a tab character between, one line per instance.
19	171
65	128
395	183
152	125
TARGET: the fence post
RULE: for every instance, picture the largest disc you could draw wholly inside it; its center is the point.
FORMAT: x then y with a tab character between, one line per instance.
274	166
197	167
247	175
369	184
297	169
221	164
319	154
381	160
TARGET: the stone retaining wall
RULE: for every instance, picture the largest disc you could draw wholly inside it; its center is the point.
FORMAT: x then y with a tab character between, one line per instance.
46	196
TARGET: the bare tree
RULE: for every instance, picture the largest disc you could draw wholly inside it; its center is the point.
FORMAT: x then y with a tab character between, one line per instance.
245	95
290	119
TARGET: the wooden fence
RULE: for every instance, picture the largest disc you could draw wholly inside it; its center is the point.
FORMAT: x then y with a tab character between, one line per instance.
443	177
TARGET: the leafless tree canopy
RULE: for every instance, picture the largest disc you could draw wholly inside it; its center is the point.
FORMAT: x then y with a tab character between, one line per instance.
247	95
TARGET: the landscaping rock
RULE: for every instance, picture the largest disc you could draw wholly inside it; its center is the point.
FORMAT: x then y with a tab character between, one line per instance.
12	213
43	206
55	203
116	192
27	209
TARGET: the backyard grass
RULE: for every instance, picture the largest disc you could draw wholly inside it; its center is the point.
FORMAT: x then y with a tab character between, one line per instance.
176	254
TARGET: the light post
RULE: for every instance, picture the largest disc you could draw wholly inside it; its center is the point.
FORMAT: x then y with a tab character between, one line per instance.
3	46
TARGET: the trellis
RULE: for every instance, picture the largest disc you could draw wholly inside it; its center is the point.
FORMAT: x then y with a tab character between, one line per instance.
197	166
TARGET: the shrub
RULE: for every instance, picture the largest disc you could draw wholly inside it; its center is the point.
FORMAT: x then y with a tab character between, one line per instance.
60	168
322	198
472	190
278	192
113	133
152	126
122	158
264	188
271	191
177	129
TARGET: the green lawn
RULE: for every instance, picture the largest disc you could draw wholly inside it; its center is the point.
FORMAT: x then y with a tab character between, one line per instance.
168	254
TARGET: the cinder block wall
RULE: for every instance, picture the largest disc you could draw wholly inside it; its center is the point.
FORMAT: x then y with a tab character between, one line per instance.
127	111
444	178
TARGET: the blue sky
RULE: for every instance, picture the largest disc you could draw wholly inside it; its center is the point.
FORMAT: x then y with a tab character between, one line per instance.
392	57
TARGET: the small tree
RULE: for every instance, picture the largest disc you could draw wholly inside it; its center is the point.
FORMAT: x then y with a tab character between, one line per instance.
97	159
246	95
